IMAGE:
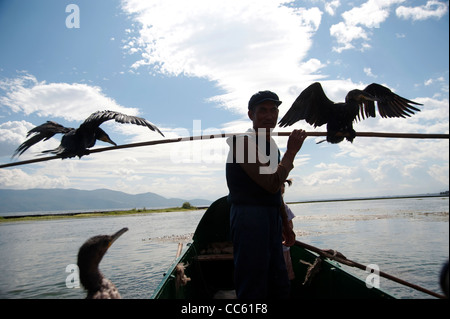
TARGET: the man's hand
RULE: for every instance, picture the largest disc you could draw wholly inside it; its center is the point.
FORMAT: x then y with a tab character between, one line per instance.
288	237
295	141
287	233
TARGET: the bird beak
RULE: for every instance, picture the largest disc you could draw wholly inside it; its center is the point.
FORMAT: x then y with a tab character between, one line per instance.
367	97
115	236
106	139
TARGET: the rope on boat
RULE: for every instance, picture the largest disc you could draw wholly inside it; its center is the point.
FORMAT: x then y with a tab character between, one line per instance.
312	270
224	135
328	253
181	278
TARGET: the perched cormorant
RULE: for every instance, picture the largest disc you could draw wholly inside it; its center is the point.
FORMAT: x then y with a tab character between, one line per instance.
76	142
89	257
313	106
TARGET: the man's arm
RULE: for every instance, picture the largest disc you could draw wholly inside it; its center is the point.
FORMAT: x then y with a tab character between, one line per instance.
287	227
272	182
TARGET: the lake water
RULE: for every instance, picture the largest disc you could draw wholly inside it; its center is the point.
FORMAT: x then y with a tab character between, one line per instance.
407	238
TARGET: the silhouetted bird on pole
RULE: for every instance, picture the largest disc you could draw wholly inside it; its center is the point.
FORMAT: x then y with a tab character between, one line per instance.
89	257
313	106
76	142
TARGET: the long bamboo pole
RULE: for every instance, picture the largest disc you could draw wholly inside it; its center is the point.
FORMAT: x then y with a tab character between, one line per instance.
224	135
342	259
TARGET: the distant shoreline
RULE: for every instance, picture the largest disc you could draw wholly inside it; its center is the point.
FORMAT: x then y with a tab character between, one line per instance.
134	211
367	198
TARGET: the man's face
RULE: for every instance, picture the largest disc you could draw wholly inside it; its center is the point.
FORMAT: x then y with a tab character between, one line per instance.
264	115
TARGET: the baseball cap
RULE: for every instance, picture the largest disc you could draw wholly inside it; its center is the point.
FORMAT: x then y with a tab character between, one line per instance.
263	96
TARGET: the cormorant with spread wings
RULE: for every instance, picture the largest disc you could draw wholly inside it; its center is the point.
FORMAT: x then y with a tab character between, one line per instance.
76	142
314	106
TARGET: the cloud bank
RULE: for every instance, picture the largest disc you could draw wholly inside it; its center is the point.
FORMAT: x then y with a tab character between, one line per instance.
242	46
72	102
355	31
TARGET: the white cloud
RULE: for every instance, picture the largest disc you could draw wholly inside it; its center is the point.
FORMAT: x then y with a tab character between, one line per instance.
243	46
345	34
358	21
439	173
73	102
432	9
369	14
12	134
368	72
312	66
434	112
18	179
431	81
330	7
328	174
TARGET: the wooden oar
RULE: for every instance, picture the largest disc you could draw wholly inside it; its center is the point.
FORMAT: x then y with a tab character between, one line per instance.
180	247
330	254
224	135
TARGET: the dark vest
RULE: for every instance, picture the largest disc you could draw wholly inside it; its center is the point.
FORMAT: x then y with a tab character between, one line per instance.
243	190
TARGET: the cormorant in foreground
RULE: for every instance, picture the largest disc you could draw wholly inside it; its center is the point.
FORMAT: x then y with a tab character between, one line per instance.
76	142
313	106
89	257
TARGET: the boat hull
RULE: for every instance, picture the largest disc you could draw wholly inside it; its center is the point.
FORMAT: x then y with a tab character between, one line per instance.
206	269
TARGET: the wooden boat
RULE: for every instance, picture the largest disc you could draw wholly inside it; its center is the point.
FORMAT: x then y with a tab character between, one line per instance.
205	270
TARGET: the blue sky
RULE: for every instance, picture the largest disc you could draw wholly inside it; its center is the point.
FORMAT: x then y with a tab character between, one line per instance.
191	66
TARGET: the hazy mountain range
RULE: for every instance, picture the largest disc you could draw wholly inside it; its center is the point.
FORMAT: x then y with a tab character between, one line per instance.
48	200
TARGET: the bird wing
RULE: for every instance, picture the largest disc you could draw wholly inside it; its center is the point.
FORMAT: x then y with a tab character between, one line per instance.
311	105
390	104
39	133
97	118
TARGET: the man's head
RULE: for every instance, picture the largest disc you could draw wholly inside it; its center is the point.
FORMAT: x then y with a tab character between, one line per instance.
263	110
